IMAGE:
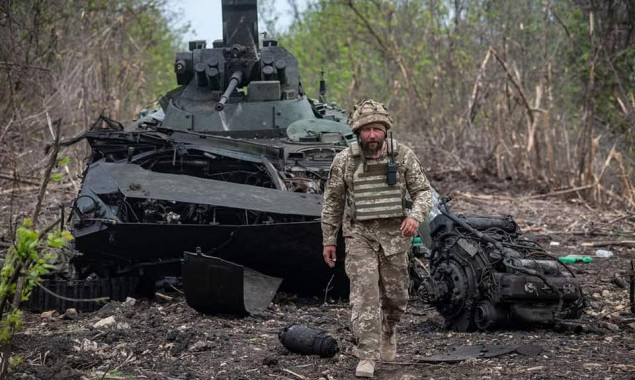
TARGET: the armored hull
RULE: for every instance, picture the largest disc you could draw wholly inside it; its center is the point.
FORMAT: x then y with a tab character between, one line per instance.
141	213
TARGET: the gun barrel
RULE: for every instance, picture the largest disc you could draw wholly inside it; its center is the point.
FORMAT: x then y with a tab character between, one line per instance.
234	81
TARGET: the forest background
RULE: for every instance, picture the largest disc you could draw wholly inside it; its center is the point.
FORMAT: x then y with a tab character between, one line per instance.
525	91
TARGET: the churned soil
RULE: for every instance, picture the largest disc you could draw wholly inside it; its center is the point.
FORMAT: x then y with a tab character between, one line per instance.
163	338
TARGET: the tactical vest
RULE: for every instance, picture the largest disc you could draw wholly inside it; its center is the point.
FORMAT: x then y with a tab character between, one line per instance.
373	198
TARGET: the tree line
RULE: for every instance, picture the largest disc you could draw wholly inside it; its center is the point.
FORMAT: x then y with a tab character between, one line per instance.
532	89
74	60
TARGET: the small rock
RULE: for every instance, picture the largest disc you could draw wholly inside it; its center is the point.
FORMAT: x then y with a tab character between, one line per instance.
106	322
198	346
49	314
619	281
606	293
631	325
109	308
71	313
129	302
123	326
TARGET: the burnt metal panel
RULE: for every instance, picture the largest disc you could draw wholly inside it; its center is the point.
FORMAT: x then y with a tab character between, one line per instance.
136	182
214	285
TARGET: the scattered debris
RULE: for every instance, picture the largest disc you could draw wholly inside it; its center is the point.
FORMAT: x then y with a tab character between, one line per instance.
603	253
619	281
162	296
49	314
199	345
129	302
71	313
460	353
572	259
106	322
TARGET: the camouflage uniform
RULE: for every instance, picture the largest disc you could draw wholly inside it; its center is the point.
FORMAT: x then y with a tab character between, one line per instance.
376	252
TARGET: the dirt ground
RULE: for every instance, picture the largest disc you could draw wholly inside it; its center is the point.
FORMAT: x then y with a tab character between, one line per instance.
163	338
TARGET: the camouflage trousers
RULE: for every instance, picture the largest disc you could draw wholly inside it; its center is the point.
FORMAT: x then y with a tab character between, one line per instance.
377	266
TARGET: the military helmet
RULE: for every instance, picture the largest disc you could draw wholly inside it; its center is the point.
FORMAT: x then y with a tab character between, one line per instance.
367	112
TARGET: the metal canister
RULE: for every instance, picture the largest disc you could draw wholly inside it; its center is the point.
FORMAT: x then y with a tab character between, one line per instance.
308	341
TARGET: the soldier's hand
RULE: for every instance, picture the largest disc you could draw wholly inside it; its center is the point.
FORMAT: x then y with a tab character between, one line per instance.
409	227
329	255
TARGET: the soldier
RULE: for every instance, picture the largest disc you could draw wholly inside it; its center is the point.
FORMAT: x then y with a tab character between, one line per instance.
365	194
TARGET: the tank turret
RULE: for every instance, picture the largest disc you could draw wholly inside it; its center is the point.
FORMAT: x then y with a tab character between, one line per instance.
238	85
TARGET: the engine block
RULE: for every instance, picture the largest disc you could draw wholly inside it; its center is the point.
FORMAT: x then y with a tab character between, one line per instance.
484	274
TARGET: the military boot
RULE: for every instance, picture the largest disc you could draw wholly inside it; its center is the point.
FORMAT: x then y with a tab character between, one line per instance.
388	348
365	368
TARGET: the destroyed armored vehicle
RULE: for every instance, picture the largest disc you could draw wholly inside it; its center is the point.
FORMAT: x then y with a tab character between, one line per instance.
484	274
231	169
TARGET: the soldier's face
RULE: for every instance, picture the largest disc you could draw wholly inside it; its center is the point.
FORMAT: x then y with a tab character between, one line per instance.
372	137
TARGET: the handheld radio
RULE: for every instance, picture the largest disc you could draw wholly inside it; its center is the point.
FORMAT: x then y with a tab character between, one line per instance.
391	166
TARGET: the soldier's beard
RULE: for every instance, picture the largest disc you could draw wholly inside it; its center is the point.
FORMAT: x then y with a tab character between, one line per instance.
372	146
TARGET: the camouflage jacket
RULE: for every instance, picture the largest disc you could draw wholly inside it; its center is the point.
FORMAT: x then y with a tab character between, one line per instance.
339	193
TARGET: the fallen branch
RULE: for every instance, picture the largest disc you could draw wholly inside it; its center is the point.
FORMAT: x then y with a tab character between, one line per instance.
484	197
17	179
56	295
294	374
163	296
609	242
30	188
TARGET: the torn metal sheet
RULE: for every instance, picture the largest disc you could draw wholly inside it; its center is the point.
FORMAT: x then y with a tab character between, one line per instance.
213	285
135	182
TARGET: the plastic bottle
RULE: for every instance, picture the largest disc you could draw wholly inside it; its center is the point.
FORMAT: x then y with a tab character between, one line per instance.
572	259
419	249
603	253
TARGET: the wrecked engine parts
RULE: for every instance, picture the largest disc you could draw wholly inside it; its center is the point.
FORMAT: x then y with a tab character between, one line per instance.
483	274
307	340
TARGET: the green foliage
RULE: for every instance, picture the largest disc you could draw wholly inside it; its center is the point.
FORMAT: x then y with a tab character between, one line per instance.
15	360
63	161
59	164
423	58
56	177
26	262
